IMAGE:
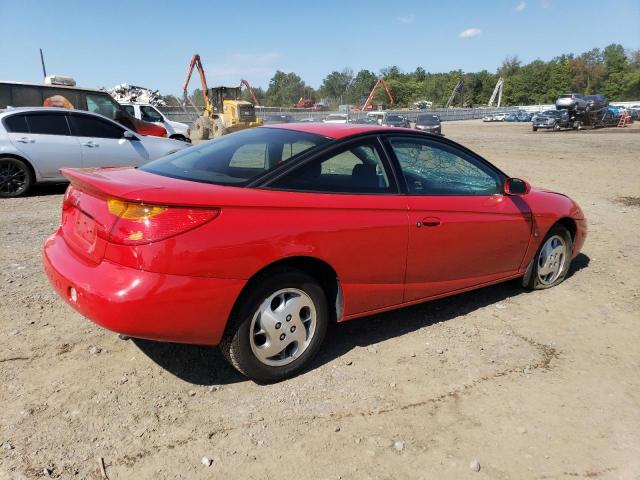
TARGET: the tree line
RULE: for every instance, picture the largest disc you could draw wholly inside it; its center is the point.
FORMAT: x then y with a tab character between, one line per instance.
612	71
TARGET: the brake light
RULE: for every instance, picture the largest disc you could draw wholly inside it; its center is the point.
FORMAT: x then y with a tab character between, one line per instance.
140	223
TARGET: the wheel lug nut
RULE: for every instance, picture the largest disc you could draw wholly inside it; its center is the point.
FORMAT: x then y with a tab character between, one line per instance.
293	329
278	325
283	336
288	318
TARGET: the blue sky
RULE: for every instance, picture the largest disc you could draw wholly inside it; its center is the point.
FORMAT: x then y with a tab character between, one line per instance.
150	43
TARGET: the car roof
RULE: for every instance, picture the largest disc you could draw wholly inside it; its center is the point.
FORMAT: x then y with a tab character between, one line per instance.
335	130
13	110
46	85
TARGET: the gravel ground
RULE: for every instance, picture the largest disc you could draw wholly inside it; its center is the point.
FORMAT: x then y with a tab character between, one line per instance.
497	383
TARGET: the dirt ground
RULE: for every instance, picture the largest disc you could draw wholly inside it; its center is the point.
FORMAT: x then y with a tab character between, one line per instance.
541	385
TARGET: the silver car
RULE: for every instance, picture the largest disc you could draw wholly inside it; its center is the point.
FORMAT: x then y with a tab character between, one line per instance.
36	142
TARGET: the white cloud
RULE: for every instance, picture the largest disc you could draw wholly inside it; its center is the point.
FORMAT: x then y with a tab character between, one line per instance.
470	32
521	6
407	19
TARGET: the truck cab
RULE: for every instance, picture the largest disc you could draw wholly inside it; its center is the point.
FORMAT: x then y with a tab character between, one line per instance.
149	113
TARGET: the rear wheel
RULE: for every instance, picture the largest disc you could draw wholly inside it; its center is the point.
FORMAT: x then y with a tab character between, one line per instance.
217	128
551	263
535	129
15	177
278	327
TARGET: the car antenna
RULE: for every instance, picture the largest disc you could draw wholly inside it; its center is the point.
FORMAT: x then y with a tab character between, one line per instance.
44	69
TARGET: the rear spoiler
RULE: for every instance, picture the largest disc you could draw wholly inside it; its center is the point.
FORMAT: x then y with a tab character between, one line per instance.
107	182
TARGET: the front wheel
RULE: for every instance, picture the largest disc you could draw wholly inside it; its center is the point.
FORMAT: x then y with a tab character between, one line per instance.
15	177
535	129
278	327
551	263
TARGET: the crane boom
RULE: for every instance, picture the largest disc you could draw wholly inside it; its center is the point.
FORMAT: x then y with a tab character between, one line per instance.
196	63
497	91
250	90
380	82
459	87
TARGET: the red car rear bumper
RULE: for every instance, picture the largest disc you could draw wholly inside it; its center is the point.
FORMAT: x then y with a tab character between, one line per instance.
142	304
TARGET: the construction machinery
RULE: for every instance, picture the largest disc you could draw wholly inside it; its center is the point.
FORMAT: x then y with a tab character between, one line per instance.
497	92
224	111
458	89
368	105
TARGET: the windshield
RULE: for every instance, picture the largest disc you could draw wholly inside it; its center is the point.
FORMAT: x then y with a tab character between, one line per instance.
427	120
237	158
552	113
393	118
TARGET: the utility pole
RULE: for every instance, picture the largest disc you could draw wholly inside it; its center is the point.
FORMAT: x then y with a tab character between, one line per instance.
44	70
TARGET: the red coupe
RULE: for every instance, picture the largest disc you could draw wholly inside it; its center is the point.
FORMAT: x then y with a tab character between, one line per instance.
257	240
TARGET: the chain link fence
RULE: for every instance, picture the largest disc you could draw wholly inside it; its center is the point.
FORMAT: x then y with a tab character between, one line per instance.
278	114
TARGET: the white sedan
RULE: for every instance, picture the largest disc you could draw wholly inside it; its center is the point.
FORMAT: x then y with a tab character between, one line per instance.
35	143
336	118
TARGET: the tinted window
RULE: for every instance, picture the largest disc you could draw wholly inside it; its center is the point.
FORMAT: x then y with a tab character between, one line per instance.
16	124
237	158
88	126
103	105
358	169
150	114
60	97
26	96
439	169
130	110
48	124
5	95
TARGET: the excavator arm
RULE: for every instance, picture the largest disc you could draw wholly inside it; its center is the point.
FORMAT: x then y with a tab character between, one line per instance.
250	90
375	88
196	63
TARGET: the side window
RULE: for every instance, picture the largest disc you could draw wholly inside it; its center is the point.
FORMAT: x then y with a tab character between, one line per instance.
59	97
48	124
26	96
150	114
438	169
130	110
101	104
16	124
356	169
88	126
5	95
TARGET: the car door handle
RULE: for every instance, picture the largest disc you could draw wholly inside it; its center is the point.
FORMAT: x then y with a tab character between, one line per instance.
25	140
90	144
429	222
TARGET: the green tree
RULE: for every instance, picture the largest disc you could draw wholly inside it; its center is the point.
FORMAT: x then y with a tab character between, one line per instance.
336	84
285	89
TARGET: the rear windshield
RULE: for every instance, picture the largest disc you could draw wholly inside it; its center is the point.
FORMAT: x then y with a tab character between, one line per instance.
237	158
393	118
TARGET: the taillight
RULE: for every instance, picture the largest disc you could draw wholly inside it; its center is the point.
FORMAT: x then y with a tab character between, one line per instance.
139	223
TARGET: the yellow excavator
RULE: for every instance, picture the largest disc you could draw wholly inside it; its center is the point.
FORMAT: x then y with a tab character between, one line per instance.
224	111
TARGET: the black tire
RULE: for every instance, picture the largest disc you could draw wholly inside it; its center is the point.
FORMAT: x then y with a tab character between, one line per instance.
16	177
535	129
200	130
532	279
236	343
556	128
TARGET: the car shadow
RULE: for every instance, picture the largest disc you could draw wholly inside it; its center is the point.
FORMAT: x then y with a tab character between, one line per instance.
205	365
45	189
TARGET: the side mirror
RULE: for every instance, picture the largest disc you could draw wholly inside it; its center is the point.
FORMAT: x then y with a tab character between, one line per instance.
127	135
516	186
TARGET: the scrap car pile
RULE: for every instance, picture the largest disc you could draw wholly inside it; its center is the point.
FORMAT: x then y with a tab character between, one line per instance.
125	93
576	111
